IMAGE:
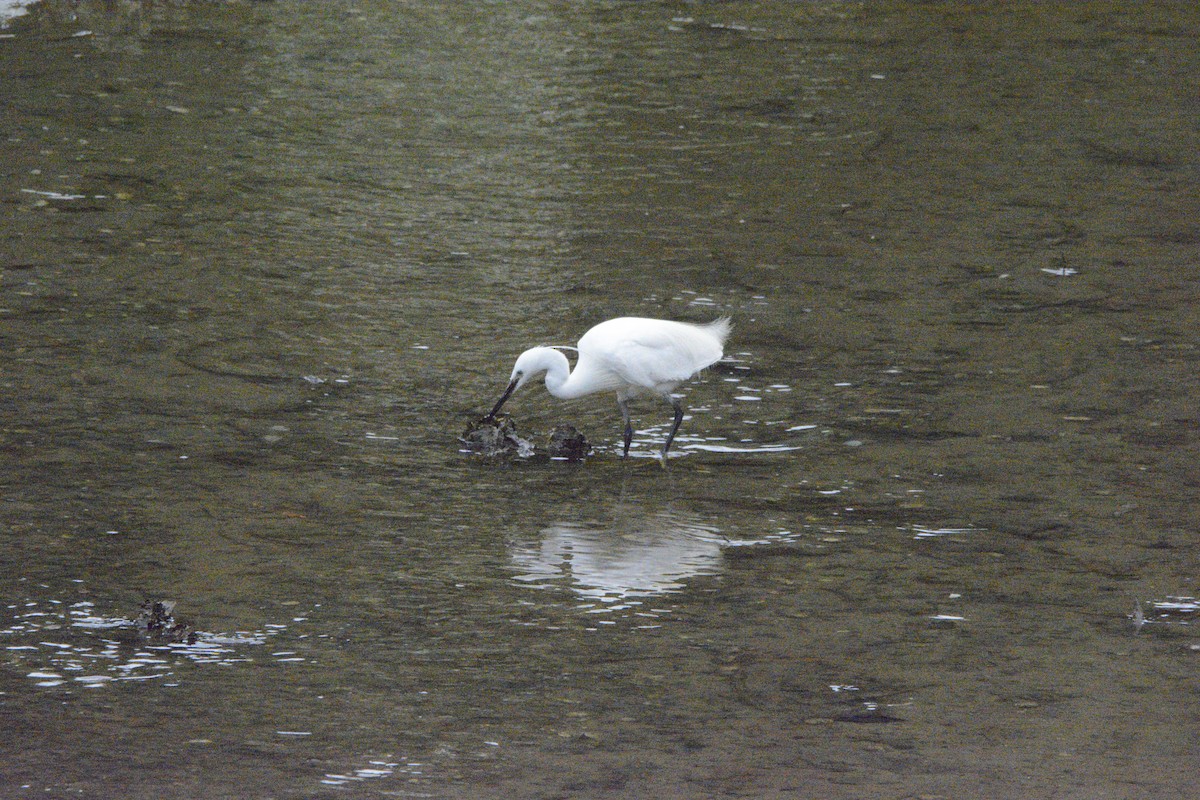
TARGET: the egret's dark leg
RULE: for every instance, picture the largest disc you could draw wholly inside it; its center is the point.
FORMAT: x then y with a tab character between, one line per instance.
674	428
624	406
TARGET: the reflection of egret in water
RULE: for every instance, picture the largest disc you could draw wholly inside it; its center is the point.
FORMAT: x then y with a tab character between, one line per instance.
632	556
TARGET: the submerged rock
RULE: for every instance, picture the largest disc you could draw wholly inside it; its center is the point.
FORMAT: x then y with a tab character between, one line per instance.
567	442
495	436
157	623
498	436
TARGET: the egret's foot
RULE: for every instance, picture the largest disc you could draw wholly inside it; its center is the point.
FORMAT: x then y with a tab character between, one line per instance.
644	463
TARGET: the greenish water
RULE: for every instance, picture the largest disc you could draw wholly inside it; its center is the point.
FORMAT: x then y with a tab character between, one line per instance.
932	530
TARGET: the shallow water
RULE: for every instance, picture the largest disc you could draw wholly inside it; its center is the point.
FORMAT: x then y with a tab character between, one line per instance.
931	527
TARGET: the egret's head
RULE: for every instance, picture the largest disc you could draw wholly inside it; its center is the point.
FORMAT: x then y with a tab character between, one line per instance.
530	364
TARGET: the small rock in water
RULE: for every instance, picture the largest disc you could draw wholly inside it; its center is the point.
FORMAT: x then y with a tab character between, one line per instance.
567	442
495	436
157	623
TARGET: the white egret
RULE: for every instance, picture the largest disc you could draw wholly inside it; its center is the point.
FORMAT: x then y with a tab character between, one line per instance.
631	356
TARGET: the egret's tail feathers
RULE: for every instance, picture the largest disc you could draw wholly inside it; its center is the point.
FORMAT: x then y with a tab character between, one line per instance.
720	328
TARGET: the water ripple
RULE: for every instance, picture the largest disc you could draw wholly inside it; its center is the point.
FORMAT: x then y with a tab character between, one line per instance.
62	644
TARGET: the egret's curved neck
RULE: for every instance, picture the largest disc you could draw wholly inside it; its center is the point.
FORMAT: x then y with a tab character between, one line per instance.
560	380
558	374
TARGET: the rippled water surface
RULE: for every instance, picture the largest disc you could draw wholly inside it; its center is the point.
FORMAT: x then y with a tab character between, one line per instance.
931	526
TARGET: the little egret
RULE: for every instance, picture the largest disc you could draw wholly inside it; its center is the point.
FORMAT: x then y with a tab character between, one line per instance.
631	356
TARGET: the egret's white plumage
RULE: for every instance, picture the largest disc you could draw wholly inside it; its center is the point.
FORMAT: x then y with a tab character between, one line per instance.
631	356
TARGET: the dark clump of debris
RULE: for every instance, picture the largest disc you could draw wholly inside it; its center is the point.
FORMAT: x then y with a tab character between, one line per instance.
495	436
158	624
568	443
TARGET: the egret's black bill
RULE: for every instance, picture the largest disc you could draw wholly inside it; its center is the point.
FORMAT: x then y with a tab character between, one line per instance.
499	403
